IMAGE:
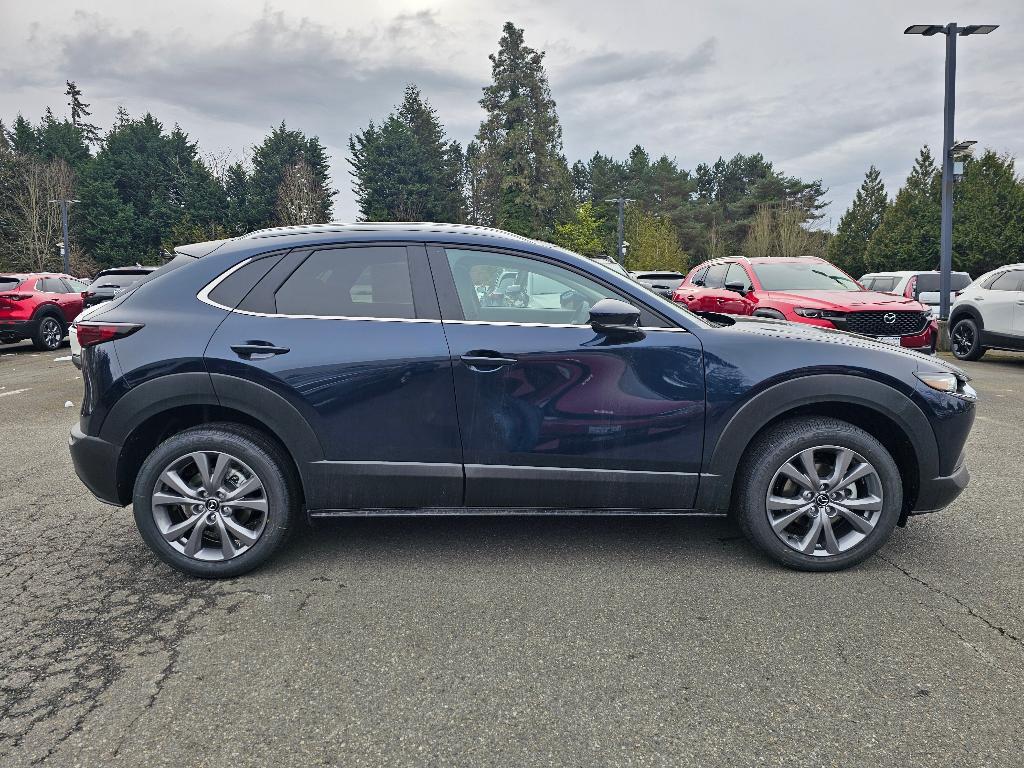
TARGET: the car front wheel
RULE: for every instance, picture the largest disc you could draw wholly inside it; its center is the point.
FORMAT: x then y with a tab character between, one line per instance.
217	501
965	340
818	494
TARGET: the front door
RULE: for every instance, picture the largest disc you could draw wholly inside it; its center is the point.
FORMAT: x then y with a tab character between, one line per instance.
352	338
554	415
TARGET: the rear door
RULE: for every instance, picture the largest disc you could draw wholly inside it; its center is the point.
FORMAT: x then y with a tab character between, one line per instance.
554	415
351	336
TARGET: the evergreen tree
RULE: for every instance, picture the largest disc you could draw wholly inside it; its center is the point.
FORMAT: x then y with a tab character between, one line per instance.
653	242
908	234
80	111
283	149
236	191
988	215
848	247
524	181
406	170
582	234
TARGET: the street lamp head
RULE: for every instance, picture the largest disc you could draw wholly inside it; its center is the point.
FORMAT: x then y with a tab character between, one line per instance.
924	29
962	147
977	29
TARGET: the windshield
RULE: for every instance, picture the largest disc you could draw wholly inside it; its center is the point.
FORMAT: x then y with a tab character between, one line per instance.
803	276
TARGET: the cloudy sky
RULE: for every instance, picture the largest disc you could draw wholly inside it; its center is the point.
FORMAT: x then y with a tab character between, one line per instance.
823	89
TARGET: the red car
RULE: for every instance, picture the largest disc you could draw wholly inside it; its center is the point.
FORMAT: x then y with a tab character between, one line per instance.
806	290
39	307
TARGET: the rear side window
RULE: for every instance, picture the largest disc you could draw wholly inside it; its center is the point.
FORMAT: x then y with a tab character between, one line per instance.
1008	281
51	285
232	289
884	284
350	282
716	276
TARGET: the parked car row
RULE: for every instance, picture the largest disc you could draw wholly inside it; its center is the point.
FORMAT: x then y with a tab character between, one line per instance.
41	306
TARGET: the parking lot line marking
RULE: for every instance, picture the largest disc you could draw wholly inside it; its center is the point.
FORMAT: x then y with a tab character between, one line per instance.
61	359
14	392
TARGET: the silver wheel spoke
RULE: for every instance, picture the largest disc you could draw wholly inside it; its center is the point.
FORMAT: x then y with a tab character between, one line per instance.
831	545
863	504
798	477
220	471
195	541
858	522
785	503
260	505
842	466
809	542
169	499
227	546
173	479
240	532
861	470
245	488
175	532
807	462
203	465
779	524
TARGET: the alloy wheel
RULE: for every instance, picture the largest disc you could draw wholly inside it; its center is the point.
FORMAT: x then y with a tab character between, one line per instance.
963	339
210	505
824	501
51	333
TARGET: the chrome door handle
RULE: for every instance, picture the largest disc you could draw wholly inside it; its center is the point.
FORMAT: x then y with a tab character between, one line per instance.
259	350
485	363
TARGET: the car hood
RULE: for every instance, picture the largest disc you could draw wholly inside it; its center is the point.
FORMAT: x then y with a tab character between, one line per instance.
855	301
800	331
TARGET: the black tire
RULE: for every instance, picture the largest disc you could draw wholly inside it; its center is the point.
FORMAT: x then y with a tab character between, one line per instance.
267	460
774	448
965	339
43	336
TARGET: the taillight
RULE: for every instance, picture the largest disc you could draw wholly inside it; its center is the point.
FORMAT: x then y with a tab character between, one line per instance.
91	334
15	296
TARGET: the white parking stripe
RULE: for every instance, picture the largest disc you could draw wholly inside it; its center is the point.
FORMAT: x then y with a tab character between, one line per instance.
14	392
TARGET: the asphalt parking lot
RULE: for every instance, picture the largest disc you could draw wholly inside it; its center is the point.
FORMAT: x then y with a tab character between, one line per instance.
482	641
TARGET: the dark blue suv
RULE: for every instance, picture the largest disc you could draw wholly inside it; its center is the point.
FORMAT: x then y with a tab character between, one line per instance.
409	369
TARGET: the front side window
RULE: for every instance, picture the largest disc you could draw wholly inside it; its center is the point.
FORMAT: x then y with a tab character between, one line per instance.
350	282
75	286
716	275
737	274
803	276
497	287
699	276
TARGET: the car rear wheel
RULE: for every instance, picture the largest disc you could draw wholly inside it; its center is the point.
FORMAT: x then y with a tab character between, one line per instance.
818	494
216	501
49	334
965	340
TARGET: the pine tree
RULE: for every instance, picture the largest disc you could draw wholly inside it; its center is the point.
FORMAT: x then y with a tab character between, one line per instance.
908	234
406	170
80	111
281	150
524	179
847	249
988	215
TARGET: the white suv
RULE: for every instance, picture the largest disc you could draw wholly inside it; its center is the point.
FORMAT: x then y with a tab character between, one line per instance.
923	286
989	314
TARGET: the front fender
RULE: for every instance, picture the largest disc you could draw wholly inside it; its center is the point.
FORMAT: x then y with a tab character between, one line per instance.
722	458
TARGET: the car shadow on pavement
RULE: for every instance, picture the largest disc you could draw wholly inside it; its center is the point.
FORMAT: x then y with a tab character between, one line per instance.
531	536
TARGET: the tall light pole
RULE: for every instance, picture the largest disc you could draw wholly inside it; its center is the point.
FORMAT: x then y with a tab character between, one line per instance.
620	254
64	205
951	31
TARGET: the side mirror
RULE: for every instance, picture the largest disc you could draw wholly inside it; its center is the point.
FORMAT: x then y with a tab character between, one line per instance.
736	287
614	316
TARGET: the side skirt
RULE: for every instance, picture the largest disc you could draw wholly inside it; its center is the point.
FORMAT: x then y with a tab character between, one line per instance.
319	514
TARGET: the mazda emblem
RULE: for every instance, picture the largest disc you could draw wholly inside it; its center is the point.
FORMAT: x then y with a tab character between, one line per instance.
889	318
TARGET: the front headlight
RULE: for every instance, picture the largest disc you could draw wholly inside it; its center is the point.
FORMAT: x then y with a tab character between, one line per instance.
820	314
948	383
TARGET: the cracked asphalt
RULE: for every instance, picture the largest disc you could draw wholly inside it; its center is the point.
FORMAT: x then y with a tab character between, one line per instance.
481	641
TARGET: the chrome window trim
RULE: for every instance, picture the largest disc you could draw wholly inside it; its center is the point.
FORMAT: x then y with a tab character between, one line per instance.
204	296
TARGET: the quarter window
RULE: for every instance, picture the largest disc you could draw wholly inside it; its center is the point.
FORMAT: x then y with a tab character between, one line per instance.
1008	281
350	282
497	287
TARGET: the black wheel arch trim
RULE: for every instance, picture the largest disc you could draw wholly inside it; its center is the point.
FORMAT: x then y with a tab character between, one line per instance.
972	312
722	459
177	390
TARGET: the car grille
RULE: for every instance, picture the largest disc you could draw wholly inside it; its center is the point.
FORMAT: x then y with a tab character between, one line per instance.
885	323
